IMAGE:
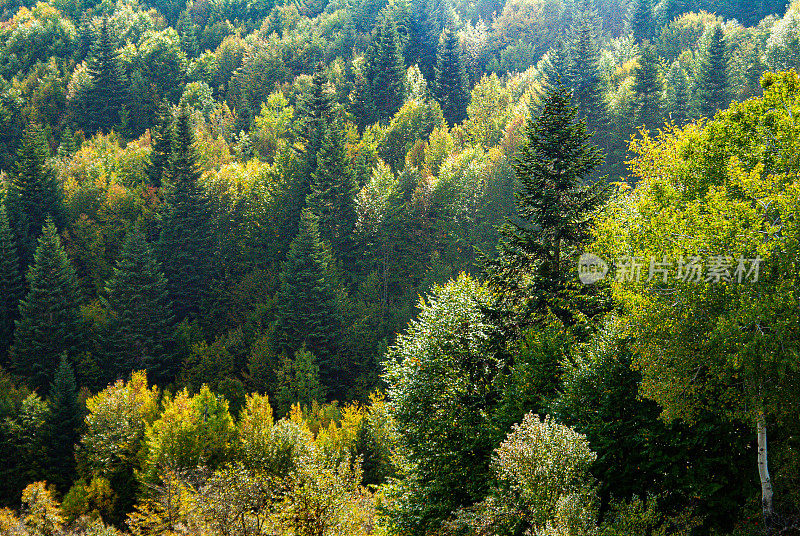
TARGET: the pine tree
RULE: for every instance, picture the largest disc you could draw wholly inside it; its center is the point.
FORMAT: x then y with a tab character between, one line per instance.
307	313
386	69
141	331
648	89
65	421
186	246
333	189
554	206
33	194
49	322
450	84
712	79
642	25
10	282
108	93
584	73
161	141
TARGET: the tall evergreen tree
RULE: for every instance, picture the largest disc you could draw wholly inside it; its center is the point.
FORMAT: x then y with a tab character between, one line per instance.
333	189
361	104
386	69
307	313
65	421
642	25
186	246
677	94
108	93
188	33
584	72
315	111
50	321
141	331
10	283
450	84
33	194
533	274
712	78
648	89
554	66
161	136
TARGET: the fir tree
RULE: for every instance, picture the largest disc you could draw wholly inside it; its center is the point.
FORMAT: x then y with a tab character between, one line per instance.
642	21
554	206
49	322
584	73
648	90
553	68
712	78
107	94
333	189
450	84
188	33
33	194
161	141
185	247
677	98
10	282
141	331
387	71
361	103
65	421
315	113
307	313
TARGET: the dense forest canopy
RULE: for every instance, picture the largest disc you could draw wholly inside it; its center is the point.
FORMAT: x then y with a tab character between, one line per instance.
312	267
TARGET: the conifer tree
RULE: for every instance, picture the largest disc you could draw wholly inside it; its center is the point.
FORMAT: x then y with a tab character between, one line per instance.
33	194
387	71
161	140
554	206
186	245
307	313
584	72
677	94
315	113
361	103
65	420
108	93
642	25
712	78
10	282
141	331
188	34
554	66
648	89
450	84
49	322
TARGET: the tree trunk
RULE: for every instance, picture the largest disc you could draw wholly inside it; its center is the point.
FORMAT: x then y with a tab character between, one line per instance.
763	472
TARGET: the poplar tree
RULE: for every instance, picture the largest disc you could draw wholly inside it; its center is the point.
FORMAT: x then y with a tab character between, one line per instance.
65	420
108	93
712	79
450	84
387	71
33	194
10	282
50	320
186	245
141	331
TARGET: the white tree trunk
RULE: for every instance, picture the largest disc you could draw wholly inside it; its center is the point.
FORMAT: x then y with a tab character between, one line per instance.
763	473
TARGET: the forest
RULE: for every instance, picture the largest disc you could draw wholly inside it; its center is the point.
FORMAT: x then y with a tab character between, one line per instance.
399	267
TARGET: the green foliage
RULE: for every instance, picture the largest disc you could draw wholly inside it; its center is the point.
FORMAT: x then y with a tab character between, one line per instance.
649	90
712	77
385	69
50	322
298	381
10	282
161	136
66	415
450	82
642	25
107	93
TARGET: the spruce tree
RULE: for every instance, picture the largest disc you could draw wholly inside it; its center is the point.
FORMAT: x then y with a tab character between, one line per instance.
33	194
65	421
186	245
315	111
642	26
553	68
677	98
387	71
361	104
534	274
108	93
712	78
648	89
450	84
306	302
188	34
50	321
10	283
584	73
141	330
161	137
